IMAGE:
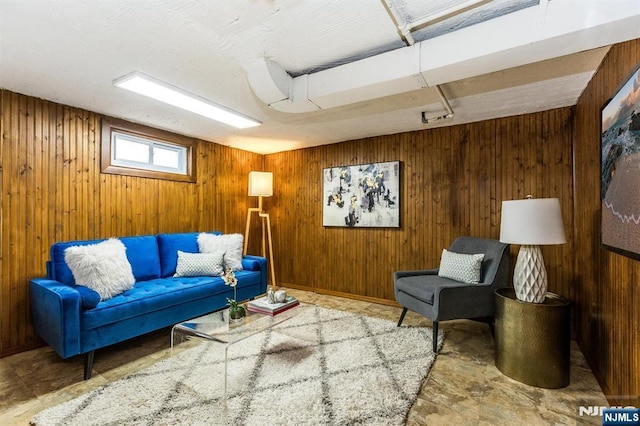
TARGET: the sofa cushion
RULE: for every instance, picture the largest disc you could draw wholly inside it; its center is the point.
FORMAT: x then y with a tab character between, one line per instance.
231	244
102	267
199	264
142	252
415	287
424	287
158	294
168	246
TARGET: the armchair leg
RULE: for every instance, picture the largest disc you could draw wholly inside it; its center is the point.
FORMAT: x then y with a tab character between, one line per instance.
88	364
404	312
435	337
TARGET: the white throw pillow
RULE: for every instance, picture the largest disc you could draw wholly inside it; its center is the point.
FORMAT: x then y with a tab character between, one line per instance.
230	244
199	264
102	267
461	267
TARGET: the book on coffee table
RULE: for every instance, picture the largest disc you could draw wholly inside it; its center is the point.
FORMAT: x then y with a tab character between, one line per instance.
263	306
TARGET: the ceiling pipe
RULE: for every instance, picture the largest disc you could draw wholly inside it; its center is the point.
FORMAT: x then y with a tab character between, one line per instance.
447	106
405	30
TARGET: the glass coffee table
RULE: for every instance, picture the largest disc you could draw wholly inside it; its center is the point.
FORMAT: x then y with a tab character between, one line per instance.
216	327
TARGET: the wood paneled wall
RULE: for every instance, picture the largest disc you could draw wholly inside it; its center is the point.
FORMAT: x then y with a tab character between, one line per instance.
606	285
453	181
52	190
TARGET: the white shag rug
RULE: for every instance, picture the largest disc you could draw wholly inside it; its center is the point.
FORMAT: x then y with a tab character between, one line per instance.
322	367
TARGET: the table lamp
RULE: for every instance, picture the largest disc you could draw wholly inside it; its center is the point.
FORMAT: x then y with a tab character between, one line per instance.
531	222
261	185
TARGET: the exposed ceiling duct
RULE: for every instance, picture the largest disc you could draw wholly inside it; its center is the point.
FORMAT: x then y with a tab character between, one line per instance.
546	31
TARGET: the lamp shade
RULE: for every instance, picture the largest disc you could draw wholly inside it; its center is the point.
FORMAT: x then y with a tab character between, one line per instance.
532	221
260	184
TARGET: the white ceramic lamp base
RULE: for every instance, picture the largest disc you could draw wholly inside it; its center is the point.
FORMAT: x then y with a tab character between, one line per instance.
530	275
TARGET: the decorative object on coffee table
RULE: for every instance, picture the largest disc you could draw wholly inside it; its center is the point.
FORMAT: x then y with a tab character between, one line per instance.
236	311
531	222
271	295
261	185
280	296
276	296
267	307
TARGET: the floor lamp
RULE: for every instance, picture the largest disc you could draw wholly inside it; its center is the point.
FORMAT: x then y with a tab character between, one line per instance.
261	185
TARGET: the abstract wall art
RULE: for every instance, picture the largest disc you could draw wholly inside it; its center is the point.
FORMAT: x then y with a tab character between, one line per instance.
364	195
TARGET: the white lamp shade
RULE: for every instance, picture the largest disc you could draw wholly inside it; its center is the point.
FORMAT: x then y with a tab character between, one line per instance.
532	221
260	184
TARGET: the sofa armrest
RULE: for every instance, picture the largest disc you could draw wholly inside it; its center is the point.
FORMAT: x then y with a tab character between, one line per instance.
403	274
256	263
464	301
56	315
253	263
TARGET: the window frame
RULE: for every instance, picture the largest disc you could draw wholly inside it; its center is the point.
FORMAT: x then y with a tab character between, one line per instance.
111	125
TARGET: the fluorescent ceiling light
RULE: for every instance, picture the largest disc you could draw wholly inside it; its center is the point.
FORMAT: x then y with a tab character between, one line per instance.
164	92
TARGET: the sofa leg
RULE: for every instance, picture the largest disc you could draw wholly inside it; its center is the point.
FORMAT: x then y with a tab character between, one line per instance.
435	337
404	312
88	364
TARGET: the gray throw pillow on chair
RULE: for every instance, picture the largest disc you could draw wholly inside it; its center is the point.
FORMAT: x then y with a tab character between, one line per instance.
466	268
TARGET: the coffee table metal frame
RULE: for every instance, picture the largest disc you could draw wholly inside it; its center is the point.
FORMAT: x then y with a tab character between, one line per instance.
216	327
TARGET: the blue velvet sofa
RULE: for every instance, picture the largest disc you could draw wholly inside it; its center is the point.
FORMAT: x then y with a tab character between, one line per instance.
73	320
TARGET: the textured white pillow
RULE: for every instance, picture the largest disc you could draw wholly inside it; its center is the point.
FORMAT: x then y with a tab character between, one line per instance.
230	244
102	267
461	267
199	264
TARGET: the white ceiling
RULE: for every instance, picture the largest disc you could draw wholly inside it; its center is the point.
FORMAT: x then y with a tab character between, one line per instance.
527	56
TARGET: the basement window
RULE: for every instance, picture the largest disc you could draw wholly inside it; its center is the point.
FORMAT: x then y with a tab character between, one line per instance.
136	150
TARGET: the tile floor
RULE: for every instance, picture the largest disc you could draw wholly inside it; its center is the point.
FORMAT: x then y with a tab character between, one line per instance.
463	388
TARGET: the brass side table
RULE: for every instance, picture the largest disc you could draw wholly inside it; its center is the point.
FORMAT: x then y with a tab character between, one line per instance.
533	339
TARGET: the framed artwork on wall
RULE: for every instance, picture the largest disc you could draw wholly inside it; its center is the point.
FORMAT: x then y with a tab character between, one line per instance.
361	196
620	169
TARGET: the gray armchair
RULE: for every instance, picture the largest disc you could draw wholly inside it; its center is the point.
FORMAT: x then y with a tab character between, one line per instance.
441	299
